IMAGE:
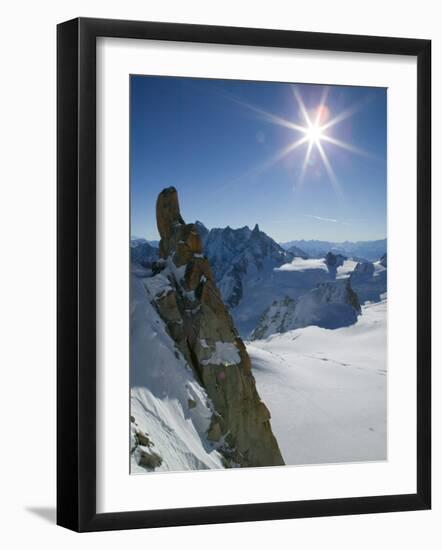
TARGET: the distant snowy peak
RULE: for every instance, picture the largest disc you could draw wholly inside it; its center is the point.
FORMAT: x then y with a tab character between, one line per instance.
143	253
261	247
298	252
370	250
363	270
369	280
235	253
330	305
135	241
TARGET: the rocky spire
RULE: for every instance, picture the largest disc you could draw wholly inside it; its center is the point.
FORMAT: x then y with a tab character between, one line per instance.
203	331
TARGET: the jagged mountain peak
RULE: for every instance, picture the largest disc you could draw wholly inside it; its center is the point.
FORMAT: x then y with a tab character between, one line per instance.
234	253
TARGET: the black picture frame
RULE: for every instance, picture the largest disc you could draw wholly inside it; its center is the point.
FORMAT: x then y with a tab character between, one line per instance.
76	274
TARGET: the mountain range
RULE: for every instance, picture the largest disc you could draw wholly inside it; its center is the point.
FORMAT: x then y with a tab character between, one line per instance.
366	250
252	270
238	347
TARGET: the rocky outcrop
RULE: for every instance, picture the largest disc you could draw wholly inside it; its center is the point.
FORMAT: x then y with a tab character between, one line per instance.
142	448
330	305
189	302
333	261
369	280
363	271
279	317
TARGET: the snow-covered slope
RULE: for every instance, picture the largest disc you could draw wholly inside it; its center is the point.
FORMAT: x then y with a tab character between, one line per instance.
170	411
304	264
330	305
326	389
260	288
346	269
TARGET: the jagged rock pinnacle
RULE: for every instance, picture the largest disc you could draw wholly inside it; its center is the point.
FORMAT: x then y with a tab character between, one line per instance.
178	238
203	331
168	211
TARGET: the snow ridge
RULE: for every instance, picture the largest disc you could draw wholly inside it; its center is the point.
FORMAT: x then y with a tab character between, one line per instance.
330	305
169	408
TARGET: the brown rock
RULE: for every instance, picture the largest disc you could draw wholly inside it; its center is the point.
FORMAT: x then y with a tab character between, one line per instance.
195	270
168	307
214	433
143	439
191	403
148	459
168	212
200	324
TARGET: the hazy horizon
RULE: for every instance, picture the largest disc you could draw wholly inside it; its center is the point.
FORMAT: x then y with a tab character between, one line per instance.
157	238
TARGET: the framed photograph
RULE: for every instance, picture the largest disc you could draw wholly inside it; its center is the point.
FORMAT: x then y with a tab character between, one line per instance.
243	274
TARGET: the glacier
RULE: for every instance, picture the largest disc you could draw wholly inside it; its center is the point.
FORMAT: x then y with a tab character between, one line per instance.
327	389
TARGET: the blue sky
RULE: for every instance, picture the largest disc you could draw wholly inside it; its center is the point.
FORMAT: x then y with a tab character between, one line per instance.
221	143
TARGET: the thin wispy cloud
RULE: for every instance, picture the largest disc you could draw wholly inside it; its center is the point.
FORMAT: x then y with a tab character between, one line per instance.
322	219
334	220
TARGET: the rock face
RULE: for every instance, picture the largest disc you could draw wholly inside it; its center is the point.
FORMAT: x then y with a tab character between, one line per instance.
330	305
190	304
236	253
279	317
143	253
369	280
333	261
363	270
298	252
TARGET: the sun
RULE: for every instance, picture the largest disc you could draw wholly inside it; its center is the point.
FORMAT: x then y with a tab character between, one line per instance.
314	133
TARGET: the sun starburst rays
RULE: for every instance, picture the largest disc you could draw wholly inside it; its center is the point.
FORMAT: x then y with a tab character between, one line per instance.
313	129
312	126
315	132
305	163
345	145
328	168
